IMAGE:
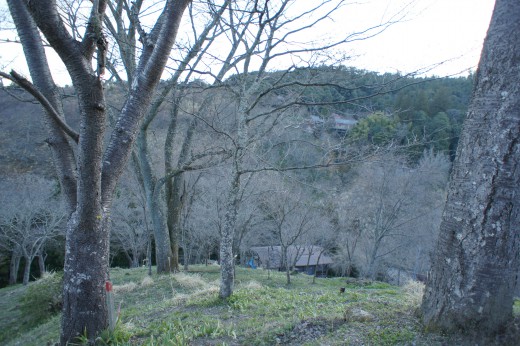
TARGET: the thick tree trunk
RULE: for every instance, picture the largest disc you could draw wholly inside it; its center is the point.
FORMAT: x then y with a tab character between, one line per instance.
134	263
85	274
87	241
89	197
476	261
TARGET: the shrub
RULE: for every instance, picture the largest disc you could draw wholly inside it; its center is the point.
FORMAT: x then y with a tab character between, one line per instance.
128	287
414	290
147	281
43	298
190	281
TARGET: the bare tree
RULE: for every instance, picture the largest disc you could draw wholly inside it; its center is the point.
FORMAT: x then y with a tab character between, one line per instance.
29	219
289	220
386	201
345	255
261	37
166	208
255	38
476	261
130	233
89	173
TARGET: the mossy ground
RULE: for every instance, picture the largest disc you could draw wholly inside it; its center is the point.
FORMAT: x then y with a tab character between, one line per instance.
184	309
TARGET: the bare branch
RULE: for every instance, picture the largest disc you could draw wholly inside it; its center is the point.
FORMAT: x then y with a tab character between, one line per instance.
31	89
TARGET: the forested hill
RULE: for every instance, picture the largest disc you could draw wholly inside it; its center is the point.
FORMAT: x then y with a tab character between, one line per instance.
23	146
386	106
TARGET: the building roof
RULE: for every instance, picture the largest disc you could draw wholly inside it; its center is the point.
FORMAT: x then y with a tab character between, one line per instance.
270	256
342	122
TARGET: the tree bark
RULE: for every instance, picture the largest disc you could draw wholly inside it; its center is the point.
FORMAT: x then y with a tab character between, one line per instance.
227	261
89	197
62	152
287	269
26	270
14	266
41	263
174	186
474	269
85	274
174	201
163	253
317	266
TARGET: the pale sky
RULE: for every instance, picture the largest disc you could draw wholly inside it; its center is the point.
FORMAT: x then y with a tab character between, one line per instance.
434	31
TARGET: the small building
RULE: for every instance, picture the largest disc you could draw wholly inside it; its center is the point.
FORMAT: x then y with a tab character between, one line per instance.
305	259
342	125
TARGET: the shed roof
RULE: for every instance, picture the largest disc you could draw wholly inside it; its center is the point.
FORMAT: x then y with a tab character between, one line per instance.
304	255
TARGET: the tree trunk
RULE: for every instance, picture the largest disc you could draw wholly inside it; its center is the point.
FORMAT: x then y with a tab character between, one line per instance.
286	261
163	253
173	185
186	253
41	263
63	155
149	255
317	266
135	261
26	270
173	219
14	266
476	261
89	197
227	263
371	270
84	277
87	247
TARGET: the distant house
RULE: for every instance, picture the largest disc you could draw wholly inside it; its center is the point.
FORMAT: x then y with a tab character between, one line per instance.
341	125
306	259
336	123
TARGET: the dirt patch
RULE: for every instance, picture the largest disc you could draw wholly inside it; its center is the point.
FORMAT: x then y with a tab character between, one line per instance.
308	330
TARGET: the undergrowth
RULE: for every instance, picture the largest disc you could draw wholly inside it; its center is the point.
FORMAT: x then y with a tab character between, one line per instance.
185	309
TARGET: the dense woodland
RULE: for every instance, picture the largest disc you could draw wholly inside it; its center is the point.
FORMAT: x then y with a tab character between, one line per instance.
371	196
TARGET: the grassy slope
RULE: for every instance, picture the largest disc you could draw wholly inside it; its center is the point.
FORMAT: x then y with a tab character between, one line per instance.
184	309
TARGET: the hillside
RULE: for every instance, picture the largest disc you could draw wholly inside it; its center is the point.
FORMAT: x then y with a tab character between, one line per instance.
421	105
421	115
184	309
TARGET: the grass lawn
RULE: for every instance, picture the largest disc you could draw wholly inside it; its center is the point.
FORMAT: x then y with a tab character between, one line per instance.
184	309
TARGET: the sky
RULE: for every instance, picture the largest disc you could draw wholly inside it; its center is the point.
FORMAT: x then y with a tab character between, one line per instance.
432	32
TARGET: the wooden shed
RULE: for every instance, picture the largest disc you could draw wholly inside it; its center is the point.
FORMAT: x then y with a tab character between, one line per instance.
305	258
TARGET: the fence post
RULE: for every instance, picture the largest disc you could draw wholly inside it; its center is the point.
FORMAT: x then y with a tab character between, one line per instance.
110	306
